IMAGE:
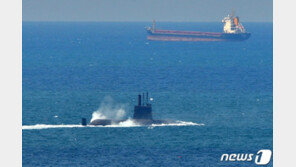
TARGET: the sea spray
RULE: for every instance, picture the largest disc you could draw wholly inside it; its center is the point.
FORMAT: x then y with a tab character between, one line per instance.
128	123
110	110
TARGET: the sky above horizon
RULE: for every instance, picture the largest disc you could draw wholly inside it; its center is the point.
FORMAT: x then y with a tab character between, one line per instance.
146	10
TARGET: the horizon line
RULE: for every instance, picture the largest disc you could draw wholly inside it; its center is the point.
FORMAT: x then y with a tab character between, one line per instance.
143	21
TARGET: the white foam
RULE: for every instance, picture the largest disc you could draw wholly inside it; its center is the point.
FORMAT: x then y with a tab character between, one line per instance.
128	123
179	123
125	124
45	126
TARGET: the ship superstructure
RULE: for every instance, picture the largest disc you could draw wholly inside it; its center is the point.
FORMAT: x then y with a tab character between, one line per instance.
233	30
232	25
144	109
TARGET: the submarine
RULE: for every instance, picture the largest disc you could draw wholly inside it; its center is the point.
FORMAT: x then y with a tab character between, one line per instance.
142	115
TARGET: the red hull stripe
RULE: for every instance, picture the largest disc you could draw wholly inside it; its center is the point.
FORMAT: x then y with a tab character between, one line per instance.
168	38
185	32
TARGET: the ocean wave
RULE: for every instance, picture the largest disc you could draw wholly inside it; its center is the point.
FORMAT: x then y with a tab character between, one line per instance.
127	123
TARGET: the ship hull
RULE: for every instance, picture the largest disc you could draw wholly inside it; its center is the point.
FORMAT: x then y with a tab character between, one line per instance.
171	35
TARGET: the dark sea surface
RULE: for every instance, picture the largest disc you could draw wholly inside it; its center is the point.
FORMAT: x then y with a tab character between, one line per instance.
70	69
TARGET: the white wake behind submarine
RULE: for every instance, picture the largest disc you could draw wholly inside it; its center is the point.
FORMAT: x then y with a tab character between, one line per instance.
142	115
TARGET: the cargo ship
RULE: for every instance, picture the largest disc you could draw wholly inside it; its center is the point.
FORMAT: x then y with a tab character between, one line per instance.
233	30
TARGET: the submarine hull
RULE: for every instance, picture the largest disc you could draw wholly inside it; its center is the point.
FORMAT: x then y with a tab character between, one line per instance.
145	122
104	122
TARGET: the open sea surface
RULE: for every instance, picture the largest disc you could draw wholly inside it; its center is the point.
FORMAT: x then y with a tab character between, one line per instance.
221	92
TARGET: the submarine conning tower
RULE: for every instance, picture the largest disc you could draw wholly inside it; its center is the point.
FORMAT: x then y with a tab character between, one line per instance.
144	109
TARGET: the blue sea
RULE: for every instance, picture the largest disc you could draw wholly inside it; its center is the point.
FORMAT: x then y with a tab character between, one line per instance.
221	92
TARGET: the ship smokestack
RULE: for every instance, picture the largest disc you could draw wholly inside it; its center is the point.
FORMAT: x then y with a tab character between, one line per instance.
139	100
153	25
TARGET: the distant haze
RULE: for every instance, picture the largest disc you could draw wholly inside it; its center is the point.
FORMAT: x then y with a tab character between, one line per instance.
146	10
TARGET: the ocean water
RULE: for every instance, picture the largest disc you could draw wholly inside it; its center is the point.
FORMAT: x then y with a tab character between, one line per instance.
221	92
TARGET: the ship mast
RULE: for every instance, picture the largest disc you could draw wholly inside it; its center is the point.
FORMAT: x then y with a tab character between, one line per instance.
232	13
153	28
